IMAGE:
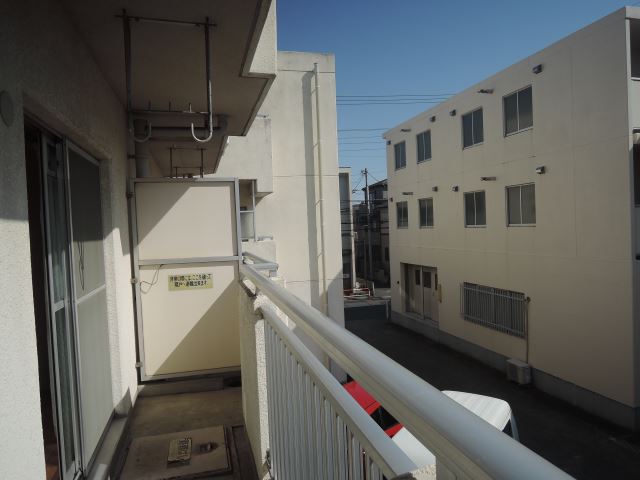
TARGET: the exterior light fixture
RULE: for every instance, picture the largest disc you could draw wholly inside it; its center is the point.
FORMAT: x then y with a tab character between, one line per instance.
537	69
540	170
407	193
488	179
433	118
454	188
485	90
405	129
453	112
434	189
388	142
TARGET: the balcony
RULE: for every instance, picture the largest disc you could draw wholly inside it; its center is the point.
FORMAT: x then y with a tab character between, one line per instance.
302	423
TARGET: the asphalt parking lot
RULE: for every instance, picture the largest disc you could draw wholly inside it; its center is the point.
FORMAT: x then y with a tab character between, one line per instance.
581	444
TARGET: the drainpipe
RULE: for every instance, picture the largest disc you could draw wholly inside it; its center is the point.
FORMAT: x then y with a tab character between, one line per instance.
142	150
325	299
126	27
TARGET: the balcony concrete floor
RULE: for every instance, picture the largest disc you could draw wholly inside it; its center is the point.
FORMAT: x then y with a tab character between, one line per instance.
156	415
582	445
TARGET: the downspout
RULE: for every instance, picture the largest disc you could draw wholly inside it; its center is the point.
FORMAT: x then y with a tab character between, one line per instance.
324	297
127	68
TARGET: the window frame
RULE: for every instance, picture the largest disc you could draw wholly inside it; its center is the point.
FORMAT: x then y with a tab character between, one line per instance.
395	155
471	112
504	116
406	216
426	225
506	199
418	137
475	213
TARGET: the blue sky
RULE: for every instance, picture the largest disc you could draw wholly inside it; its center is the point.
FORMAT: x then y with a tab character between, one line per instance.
419	47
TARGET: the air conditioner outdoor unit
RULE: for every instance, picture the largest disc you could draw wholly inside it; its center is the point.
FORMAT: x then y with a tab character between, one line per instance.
518	371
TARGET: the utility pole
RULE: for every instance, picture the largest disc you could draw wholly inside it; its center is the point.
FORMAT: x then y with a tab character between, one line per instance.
369	271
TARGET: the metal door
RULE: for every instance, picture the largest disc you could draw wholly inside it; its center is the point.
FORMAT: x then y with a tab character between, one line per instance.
187	252
414	290
427	292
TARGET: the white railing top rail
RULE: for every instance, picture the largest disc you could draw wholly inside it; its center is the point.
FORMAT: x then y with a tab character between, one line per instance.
462	442
260	263
386	454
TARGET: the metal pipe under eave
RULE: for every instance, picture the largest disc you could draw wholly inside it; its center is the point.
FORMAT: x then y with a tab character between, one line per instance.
325	293
143	154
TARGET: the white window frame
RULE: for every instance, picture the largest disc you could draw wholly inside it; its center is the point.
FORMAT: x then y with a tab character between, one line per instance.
426	213
475	213
395	155
506	198
420	138
471	112
406	216
504	113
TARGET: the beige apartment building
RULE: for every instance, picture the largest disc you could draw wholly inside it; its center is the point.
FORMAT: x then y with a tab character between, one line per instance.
514	226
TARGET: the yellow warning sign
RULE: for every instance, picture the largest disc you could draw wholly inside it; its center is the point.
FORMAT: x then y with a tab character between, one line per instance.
190	281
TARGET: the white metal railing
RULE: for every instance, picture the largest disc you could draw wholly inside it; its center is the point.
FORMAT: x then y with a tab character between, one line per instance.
317	431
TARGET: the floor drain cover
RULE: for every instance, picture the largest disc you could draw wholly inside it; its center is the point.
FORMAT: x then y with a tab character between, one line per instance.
179	450
190	454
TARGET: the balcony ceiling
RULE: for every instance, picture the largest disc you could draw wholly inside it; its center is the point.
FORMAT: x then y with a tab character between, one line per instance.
168	62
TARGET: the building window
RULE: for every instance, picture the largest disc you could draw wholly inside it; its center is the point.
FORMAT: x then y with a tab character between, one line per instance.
521	205
424	146
474	209
501	310
403	215
472	129
400	152
346	270
518	111
426	212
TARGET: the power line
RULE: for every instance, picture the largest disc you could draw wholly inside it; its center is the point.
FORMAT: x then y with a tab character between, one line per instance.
411	102
361	129
368	142
360	137
373	177
362	149
401	94
357	184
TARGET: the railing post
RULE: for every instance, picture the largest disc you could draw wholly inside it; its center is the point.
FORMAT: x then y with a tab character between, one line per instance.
254	379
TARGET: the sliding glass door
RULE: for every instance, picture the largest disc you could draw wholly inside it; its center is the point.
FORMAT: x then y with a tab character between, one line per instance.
61	325
90	297
77	302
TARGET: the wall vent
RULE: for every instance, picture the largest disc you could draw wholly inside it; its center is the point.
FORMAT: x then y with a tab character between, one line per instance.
518	371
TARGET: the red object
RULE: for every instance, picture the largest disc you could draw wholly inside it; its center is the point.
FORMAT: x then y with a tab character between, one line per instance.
393	430
369	404
360	395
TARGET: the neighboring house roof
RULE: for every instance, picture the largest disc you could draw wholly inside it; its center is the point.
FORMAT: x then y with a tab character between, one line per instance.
380	184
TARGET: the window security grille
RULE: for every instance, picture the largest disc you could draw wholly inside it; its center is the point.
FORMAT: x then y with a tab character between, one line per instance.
495	308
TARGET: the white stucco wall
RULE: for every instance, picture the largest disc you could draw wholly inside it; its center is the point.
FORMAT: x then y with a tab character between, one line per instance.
279	152
292	213
576	263
50	73
280	145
